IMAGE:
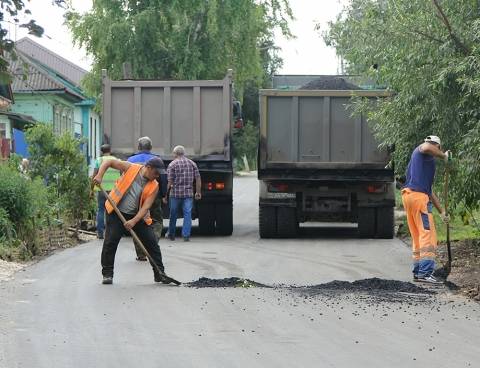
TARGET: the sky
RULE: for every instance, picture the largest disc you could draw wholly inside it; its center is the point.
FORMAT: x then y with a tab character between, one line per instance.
305	54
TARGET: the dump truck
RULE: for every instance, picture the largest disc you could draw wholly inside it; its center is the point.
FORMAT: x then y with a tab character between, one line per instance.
319	163
196	114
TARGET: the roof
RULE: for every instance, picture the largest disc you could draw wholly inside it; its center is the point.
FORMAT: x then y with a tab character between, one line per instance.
31	76
66	69
20	120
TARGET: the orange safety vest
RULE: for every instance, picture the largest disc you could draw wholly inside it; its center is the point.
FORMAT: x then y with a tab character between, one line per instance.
124	183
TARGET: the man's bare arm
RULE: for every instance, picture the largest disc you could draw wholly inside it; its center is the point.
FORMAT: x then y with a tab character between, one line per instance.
436	202
142	211
432	150
116	164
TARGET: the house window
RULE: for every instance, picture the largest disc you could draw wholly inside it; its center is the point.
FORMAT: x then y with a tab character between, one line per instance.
56	120
3	130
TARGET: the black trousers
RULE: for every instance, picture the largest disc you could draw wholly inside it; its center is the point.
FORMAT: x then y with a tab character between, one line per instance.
113	234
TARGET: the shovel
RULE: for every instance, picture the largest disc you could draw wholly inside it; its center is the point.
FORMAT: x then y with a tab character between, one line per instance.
134	235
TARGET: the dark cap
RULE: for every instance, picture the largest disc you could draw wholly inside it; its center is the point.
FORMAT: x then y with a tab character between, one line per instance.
156	163
105	148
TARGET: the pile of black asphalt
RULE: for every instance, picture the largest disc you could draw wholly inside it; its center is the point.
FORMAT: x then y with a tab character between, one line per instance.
373	287
230	282
328	82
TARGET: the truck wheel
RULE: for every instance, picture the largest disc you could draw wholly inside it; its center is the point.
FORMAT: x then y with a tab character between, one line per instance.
224	219
366	222
286	222
385	223
206	219
267	220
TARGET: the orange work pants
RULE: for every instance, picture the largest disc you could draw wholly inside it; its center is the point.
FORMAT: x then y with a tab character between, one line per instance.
422	229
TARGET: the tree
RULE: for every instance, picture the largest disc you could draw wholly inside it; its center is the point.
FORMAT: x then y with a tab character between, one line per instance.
167	39
427	53
13	9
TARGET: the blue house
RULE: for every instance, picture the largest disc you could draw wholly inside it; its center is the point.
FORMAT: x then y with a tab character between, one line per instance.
47	87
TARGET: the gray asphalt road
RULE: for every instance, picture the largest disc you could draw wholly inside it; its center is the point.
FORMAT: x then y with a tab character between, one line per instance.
57	314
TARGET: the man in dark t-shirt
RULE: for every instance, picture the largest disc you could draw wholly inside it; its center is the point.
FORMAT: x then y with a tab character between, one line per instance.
418	200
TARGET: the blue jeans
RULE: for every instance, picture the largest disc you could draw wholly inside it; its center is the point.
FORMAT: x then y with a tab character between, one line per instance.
187	204
101	213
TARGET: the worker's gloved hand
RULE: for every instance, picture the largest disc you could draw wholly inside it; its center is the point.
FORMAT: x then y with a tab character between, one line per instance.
198	196
445	218
448	156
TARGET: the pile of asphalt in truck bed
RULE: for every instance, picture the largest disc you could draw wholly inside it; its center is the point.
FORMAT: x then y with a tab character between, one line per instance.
327	82
205	282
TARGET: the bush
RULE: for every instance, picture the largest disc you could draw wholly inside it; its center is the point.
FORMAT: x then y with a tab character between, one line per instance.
59	162
14	197
245	143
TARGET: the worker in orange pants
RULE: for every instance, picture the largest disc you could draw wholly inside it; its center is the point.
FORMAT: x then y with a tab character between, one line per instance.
418	201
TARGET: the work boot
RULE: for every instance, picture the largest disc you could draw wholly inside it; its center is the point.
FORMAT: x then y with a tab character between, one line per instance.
171	237
186	239
107	280
160	278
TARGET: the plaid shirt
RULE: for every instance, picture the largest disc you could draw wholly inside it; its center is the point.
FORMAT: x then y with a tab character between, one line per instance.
181	173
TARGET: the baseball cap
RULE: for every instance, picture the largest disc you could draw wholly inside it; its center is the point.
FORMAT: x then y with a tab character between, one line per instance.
433	139
157	163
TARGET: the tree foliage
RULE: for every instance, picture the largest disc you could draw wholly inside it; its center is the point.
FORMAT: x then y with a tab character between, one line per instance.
428	54
190	39
10	11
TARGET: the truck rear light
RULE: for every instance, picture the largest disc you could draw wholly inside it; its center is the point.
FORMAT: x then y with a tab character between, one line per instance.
377	188
278	188
214	186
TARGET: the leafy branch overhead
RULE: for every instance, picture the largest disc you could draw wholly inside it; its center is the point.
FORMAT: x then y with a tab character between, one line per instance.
181	39
10	12
427	53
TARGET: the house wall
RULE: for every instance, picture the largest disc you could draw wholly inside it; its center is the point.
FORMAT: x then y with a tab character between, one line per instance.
47	108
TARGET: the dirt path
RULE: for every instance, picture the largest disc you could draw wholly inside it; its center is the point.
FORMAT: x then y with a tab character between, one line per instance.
7	269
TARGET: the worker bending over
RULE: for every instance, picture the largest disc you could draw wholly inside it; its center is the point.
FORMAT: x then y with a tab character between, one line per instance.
134	194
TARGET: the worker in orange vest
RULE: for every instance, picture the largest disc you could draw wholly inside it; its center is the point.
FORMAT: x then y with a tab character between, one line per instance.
133	194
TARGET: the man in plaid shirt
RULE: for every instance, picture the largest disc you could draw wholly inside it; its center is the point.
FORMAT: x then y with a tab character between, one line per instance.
182	172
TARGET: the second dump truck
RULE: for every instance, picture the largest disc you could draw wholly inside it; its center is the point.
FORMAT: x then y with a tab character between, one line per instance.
317	163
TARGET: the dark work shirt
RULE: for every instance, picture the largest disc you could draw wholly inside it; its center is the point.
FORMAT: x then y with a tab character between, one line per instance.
420	172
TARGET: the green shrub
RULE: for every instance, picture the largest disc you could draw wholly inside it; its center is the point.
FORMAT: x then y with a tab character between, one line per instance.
59	161
245	143
14	198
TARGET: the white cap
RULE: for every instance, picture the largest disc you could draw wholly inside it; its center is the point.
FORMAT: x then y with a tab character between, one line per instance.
433	139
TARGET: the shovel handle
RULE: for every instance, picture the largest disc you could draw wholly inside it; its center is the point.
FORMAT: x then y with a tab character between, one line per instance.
445	196
135	236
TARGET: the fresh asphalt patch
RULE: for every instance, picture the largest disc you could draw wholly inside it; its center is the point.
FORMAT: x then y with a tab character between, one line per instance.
373	288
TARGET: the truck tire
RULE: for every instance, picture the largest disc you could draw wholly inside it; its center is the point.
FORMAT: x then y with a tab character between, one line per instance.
286	222
366	222
385	223
267	220
206	219
224	219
